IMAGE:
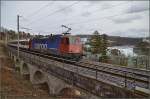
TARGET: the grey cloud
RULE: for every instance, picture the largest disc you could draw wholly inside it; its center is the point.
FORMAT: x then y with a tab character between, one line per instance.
126	19
132	33
106	5
66	10
92	3
136	8
139	30
86	14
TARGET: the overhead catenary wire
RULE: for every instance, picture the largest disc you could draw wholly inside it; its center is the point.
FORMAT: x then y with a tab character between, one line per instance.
94	19
93	12
59	10
40	9
87	21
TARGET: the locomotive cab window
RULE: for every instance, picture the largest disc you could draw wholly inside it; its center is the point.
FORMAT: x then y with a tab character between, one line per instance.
77	41
65	41
74	40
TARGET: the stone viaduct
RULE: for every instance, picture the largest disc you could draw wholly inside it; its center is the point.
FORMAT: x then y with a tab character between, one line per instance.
38	77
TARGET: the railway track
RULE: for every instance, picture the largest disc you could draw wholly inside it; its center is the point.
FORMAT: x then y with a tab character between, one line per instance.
122	68
120	71
124	77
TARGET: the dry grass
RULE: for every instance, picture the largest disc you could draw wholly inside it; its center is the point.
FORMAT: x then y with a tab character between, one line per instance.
12	83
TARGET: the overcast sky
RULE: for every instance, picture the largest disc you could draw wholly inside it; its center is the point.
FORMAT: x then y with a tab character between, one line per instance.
118	18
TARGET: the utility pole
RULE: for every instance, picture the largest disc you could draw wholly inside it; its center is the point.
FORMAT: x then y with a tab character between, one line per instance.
27	29
5	37
18	32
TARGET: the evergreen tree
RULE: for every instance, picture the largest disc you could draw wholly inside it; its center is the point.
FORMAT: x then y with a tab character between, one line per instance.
95	43
104	45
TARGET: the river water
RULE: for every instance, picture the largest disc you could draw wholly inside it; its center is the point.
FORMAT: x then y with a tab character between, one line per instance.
126	50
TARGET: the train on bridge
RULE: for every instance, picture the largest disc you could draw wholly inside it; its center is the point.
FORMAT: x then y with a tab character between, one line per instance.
62	45
66	46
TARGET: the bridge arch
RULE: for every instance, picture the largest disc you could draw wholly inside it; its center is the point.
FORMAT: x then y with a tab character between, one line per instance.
25	68
25	71
17	60
38	76
17	64
12	57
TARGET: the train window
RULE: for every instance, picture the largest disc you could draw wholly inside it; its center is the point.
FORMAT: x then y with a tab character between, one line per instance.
77	41
71	40
74	40
67	41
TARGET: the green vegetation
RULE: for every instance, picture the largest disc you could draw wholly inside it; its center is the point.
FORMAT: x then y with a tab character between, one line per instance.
104	45
12	35
99	45
95	43
142	48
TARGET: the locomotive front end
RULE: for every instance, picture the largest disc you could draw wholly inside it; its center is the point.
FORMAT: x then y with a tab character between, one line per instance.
75	47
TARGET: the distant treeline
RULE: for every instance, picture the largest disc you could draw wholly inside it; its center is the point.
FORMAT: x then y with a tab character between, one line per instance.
11	34
118	41
142	48
113	40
